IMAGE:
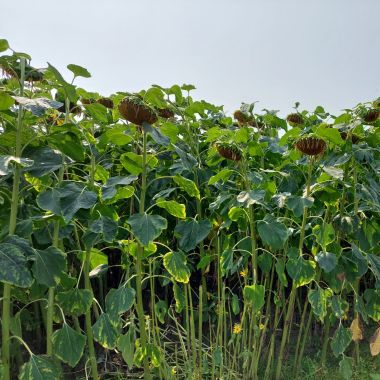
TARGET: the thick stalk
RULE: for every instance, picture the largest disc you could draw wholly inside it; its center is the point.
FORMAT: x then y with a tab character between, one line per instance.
292	297
139	275
6	316
87	285
50	307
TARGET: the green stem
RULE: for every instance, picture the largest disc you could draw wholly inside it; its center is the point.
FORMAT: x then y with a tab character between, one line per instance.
326	337
292	297
6	316
139	274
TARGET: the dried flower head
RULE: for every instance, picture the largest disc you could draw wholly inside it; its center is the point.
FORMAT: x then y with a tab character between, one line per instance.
312	146
106	102
133	109
371	115
294	118
229	151
241	117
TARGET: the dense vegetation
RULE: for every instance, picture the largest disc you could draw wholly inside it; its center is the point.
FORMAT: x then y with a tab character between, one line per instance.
152	235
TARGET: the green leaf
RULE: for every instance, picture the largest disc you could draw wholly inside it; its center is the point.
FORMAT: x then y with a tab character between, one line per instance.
173	208
45	161
49	266
69	144
5	162
327	261
79	71
325	234
254	296
175	264
75	301
105	332
280	270
297	204
223	176
318	301
272	232
372	306
3	45
301	271
69	89
251	197
67	199
116	135
126	344
188	161
106	227
191	233
345	368
134	162
146	227
161	309
68	345
98	112
6	101
37	106
187	185
40	367
329	134
179	296
341	340
333	172
339	307
119	301
235	304
14	269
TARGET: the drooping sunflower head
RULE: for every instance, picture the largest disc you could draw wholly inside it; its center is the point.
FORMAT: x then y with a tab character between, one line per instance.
295	119
136	111
311	146
230	151
371	115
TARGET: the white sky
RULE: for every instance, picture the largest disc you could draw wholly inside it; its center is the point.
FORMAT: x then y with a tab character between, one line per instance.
318	52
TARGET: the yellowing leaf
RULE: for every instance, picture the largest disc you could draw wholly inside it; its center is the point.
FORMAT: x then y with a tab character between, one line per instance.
357	330
374	343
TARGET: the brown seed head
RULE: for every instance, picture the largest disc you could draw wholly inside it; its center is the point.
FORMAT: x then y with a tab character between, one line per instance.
371	115
241	117
136	111
106	102
165	113
312	146
294	118
229	151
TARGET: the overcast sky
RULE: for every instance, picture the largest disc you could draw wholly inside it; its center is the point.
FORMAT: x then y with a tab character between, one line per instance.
277	52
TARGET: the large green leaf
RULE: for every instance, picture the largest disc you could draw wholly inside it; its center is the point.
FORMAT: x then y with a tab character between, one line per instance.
318	299
223	176
6	101
179	296
175	264
326	260
345	368
254	295
14	269
341	340
69	144
37	106
297	204
45	160
173	208
187	185
126	344
105	332
106	227
40	367
98	112
3	45
68	345
134	162
49	266
75	301
325	234
67	199
78	71
119	301
251	197
272	232
6	161
147	227
192	233
301	271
